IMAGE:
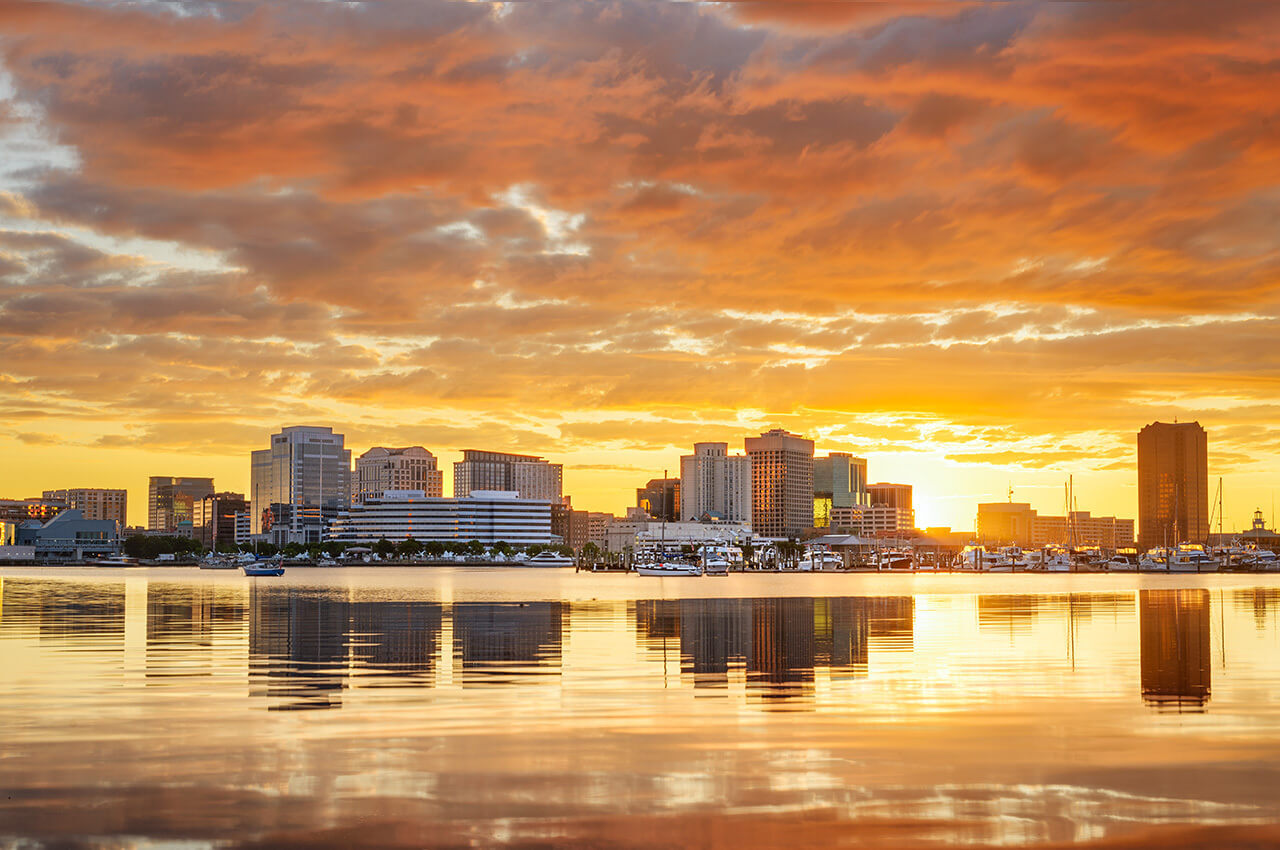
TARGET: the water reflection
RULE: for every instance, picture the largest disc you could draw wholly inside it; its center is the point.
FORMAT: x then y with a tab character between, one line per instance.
1175	648
981	718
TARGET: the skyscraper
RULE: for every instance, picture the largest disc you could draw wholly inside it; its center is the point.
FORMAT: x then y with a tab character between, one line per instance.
300	484
171	501
530	476
712	481
410	468
781	483
839	481
1173	484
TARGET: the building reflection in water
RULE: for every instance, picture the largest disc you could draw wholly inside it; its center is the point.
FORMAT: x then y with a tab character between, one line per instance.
499	641
59	611
1174	628
297	647
1262	602
776	644
182	620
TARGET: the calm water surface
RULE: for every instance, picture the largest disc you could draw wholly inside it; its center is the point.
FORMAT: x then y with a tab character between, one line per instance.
523	708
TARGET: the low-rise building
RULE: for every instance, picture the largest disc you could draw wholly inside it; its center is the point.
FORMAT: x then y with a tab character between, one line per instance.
629	533
69	537
1019	524
214	520
486	515
572	527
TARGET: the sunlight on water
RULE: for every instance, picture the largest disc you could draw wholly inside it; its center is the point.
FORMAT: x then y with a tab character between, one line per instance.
445	708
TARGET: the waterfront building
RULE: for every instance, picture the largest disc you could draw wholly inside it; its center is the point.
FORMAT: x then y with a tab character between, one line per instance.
1019	524
598	527
69	537
629	533
781	483
531	476
660	498
16	511
1081	528
1006	522
299	485
243	528
408	468
839	481
891	509
95	503
486	516
572	527
214	520
712	481
171	501
1173	484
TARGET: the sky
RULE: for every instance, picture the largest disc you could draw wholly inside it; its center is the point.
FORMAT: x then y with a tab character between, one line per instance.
980	245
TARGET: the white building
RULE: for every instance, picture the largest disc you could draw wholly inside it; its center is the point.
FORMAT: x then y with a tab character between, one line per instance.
488	516
409	468
629	533
714	482
872	520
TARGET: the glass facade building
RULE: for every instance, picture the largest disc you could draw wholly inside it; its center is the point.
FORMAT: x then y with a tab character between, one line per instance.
299	485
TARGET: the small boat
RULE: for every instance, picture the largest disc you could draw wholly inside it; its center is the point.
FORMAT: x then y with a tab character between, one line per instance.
669	568
118	561
264	570
218	565
546	558
1124	561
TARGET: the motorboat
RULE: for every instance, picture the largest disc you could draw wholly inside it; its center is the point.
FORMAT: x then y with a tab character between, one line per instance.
894	559
546	558
1124	561
668	567
815	561
218	564
263	569
1191	558
1050	559
118	561
718	560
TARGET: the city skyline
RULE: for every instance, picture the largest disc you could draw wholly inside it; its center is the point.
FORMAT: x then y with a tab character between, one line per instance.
919	523
944	237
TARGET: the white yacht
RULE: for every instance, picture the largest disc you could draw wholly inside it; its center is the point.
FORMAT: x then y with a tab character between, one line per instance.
668	567
547	558
1191	558
1123	561
814	561
1050	559
895	559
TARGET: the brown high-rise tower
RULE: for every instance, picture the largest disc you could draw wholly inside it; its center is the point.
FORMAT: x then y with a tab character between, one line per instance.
1173	484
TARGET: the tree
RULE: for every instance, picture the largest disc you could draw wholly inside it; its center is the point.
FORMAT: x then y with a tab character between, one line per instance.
590	552
748	551
334	548
434	549
314	551
408	548
474	548
293	550
269	550
384	547
502	547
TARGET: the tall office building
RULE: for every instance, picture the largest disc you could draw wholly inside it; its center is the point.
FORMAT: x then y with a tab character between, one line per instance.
530	476
839	481
714	482
171	501
781	483
410	468
660	498
1173	484
300	484
95	503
